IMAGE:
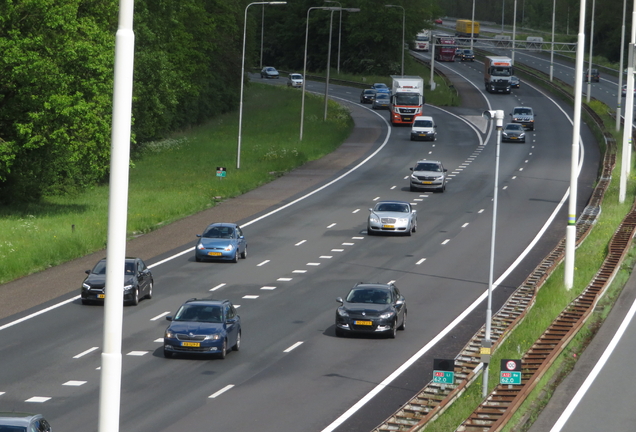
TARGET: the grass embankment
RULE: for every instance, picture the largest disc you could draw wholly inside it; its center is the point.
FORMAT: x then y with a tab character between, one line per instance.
551	300
175	178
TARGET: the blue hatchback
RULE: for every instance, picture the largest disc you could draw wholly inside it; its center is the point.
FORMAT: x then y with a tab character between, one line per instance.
221	241
203	327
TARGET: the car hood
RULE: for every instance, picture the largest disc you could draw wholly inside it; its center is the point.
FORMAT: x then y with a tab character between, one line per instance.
216	242
396	215
371	309
423	129
99	280
428	173
196	328
513	132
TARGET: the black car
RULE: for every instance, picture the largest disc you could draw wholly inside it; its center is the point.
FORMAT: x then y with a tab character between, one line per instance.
467	55
515	82
371	308
201	326
594	74
367	96
19	421
513	132
138	282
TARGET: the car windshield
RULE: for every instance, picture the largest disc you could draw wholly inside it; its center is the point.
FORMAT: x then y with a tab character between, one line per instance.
468	52
369	91
392	207
422	38
12	429
100	269
407	99
423	123
297	77
380	85
427	166
514	127
523	111
366	295
199	313
270	69
219	232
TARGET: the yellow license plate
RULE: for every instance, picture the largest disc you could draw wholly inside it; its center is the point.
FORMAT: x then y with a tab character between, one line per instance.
190	344
101	296
214	253
363	323
427	182
388	226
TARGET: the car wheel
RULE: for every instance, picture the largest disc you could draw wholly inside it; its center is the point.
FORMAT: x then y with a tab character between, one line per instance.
393	331
196	258
369	232
443	188
415	227
409	232
244	253
135	299
403	326
339	332
237	345
412	188
236	256
223	352
149	295
167	354
85	302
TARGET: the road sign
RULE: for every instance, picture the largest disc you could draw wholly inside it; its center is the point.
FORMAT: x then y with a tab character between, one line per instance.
221	171
510	372
443	377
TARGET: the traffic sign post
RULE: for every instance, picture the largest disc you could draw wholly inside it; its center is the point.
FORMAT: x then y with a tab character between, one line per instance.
221	172
444	372
510	372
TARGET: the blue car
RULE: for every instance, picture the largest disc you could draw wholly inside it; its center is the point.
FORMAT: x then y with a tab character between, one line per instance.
203	327
221	241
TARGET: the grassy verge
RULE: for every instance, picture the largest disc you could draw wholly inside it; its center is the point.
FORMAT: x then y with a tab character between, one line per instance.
175	178
551	300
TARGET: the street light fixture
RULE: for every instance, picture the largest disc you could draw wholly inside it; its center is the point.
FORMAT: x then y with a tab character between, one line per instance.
497	115
240	130
403	22
589	69
339	31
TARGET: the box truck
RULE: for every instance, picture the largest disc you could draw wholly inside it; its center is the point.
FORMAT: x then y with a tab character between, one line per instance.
445	48
466	28
422	41
407	98
497	73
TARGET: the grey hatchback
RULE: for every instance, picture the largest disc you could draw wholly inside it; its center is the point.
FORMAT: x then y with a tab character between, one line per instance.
23	422
428	174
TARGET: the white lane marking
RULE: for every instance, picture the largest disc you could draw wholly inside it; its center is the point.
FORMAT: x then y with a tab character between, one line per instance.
221	285
161	315
337	250
313	264
88	351
284	279
413	203
38	399
393	187
158	340
332	225
270	288
514	177
357	238
296	345
418	199
355	211
74	383
376	198
445	241
220	392
520	169
300	242
325	256
1	393
526	161
348	244
391	281
137	353
262	264
420	261
299	271
406	177
34	314
481	211
251	297
505	187
465	225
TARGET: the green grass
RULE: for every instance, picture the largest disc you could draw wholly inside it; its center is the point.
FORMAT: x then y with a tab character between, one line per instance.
551	300
175	178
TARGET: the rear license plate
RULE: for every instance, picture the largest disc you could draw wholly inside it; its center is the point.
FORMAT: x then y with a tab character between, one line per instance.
101	296
408	119
423	134
427	182
367	323
388	226
191	344
214	253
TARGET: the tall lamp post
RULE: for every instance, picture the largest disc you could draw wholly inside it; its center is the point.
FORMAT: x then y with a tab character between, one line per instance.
589	69
262	34
620	74
339	30
240	128
498	116
403	25
629	114
472	27
552	45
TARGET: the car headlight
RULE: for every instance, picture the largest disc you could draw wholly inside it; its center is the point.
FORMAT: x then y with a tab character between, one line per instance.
504	134
343	313
86	286
128	287
403	220
387	315
200	246
169	334
522	135
413	176
229	248
215	336
374	219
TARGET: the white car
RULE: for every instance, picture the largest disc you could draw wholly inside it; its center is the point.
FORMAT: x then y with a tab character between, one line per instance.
428	175
295	80
424	128
394	217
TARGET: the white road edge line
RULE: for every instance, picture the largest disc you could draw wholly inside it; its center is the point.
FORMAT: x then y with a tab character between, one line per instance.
161	315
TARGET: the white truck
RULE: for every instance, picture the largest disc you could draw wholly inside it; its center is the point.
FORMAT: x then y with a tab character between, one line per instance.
497	73
422	41
407	98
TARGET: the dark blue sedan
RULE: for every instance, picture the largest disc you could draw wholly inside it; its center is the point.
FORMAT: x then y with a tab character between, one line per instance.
203	327
221	241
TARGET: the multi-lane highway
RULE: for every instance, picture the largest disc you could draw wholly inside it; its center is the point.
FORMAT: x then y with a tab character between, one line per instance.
292	372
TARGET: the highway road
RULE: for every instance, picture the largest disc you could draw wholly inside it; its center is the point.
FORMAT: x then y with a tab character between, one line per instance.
292	373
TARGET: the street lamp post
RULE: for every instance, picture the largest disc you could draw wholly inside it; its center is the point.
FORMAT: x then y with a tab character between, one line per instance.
403	25
620	73
240	128
339	30
472	27
497	115
552	45
589	69
262	34
514	30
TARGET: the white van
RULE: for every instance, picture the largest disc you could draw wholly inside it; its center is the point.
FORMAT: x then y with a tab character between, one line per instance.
424	128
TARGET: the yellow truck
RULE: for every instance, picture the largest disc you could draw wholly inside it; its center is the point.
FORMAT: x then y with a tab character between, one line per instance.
467	28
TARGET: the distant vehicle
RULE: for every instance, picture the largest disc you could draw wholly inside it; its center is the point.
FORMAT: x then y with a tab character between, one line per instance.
381	100
422	41
23	422
367	96
458	54
513	132
295	80
407	98
269	72
393	217
203	327
221	241
381	88
466	29
497	73
594	73
424	128
515	82
624	90
445	48
467	55
439	21
138	282
428	175
372	309
524	116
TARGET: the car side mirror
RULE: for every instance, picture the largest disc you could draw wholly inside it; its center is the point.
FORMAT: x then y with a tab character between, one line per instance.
198	235
445	170
370	209
339	300
169	318
411	168
510	114
87	272
400	301
413	211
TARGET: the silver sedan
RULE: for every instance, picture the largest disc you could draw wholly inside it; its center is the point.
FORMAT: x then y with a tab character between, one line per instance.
396	217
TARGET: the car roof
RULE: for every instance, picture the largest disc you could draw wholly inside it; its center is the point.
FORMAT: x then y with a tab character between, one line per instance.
421	117
521	107
372	285
429	161
17	418
393	202
206	301
223	224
